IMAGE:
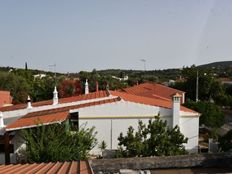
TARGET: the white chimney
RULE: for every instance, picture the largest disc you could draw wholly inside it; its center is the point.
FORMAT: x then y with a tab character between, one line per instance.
176	109
55	96
2	125
183	98
1	120
86	87
29	106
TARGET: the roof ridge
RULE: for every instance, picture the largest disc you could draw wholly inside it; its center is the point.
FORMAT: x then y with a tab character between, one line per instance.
66	108
149	101
98	94
58	116
150	83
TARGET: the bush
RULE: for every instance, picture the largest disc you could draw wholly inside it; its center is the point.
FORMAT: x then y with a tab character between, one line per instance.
225	142
53	143
154	139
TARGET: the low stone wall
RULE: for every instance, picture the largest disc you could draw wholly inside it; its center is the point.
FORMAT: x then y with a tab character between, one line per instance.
149	163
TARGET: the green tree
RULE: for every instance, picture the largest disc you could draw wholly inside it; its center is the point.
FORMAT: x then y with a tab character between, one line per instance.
154	139
42	89
17	85
208	89
211	114
225	142
102	145
54	143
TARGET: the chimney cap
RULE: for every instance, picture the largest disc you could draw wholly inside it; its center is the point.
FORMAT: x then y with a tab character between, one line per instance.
55	90
28	98
29	102
177	95
55	96
86	87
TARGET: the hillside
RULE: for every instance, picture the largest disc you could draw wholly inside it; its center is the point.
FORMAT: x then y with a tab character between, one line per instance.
221	64
32	71
222	69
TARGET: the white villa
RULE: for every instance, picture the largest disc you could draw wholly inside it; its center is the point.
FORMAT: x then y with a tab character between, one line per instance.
110	112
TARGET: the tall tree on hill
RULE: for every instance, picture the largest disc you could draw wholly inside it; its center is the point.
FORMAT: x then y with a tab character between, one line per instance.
25	66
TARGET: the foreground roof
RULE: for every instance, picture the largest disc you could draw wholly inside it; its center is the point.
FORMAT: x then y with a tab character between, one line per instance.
51	168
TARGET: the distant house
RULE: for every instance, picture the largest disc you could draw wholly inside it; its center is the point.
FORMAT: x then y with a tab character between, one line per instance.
5	98
110	112
125	78
39	76
226	81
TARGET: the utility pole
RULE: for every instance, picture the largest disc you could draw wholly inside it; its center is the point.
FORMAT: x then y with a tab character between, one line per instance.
144	63
54	71
197	86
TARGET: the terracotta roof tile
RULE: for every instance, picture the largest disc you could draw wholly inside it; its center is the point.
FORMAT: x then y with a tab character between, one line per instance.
94	95
148	101
51	168
142	100
42	119
152	90
5	98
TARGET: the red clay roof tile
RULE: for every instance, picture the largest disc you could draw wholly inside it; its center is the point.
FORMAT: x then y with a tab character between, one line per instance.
5	98
148	101
94	95
152	90
51	168
36	120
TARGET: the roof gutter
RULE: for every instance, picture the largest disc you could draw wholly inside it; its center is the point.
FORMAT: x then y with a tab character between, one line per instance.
32	126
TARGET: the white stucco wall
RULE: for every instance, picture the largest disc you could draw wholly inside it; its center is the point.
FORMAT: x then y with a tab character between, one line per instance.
113	118
122	109
110	129
189	126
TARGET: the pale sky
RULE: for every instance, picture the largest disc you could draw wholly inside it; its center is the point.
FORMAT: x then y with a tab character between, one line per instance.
86	34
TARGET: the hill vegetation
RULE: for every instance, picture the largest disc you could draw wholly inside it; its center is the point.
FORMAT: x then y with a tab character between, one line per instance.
39	84
222	64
